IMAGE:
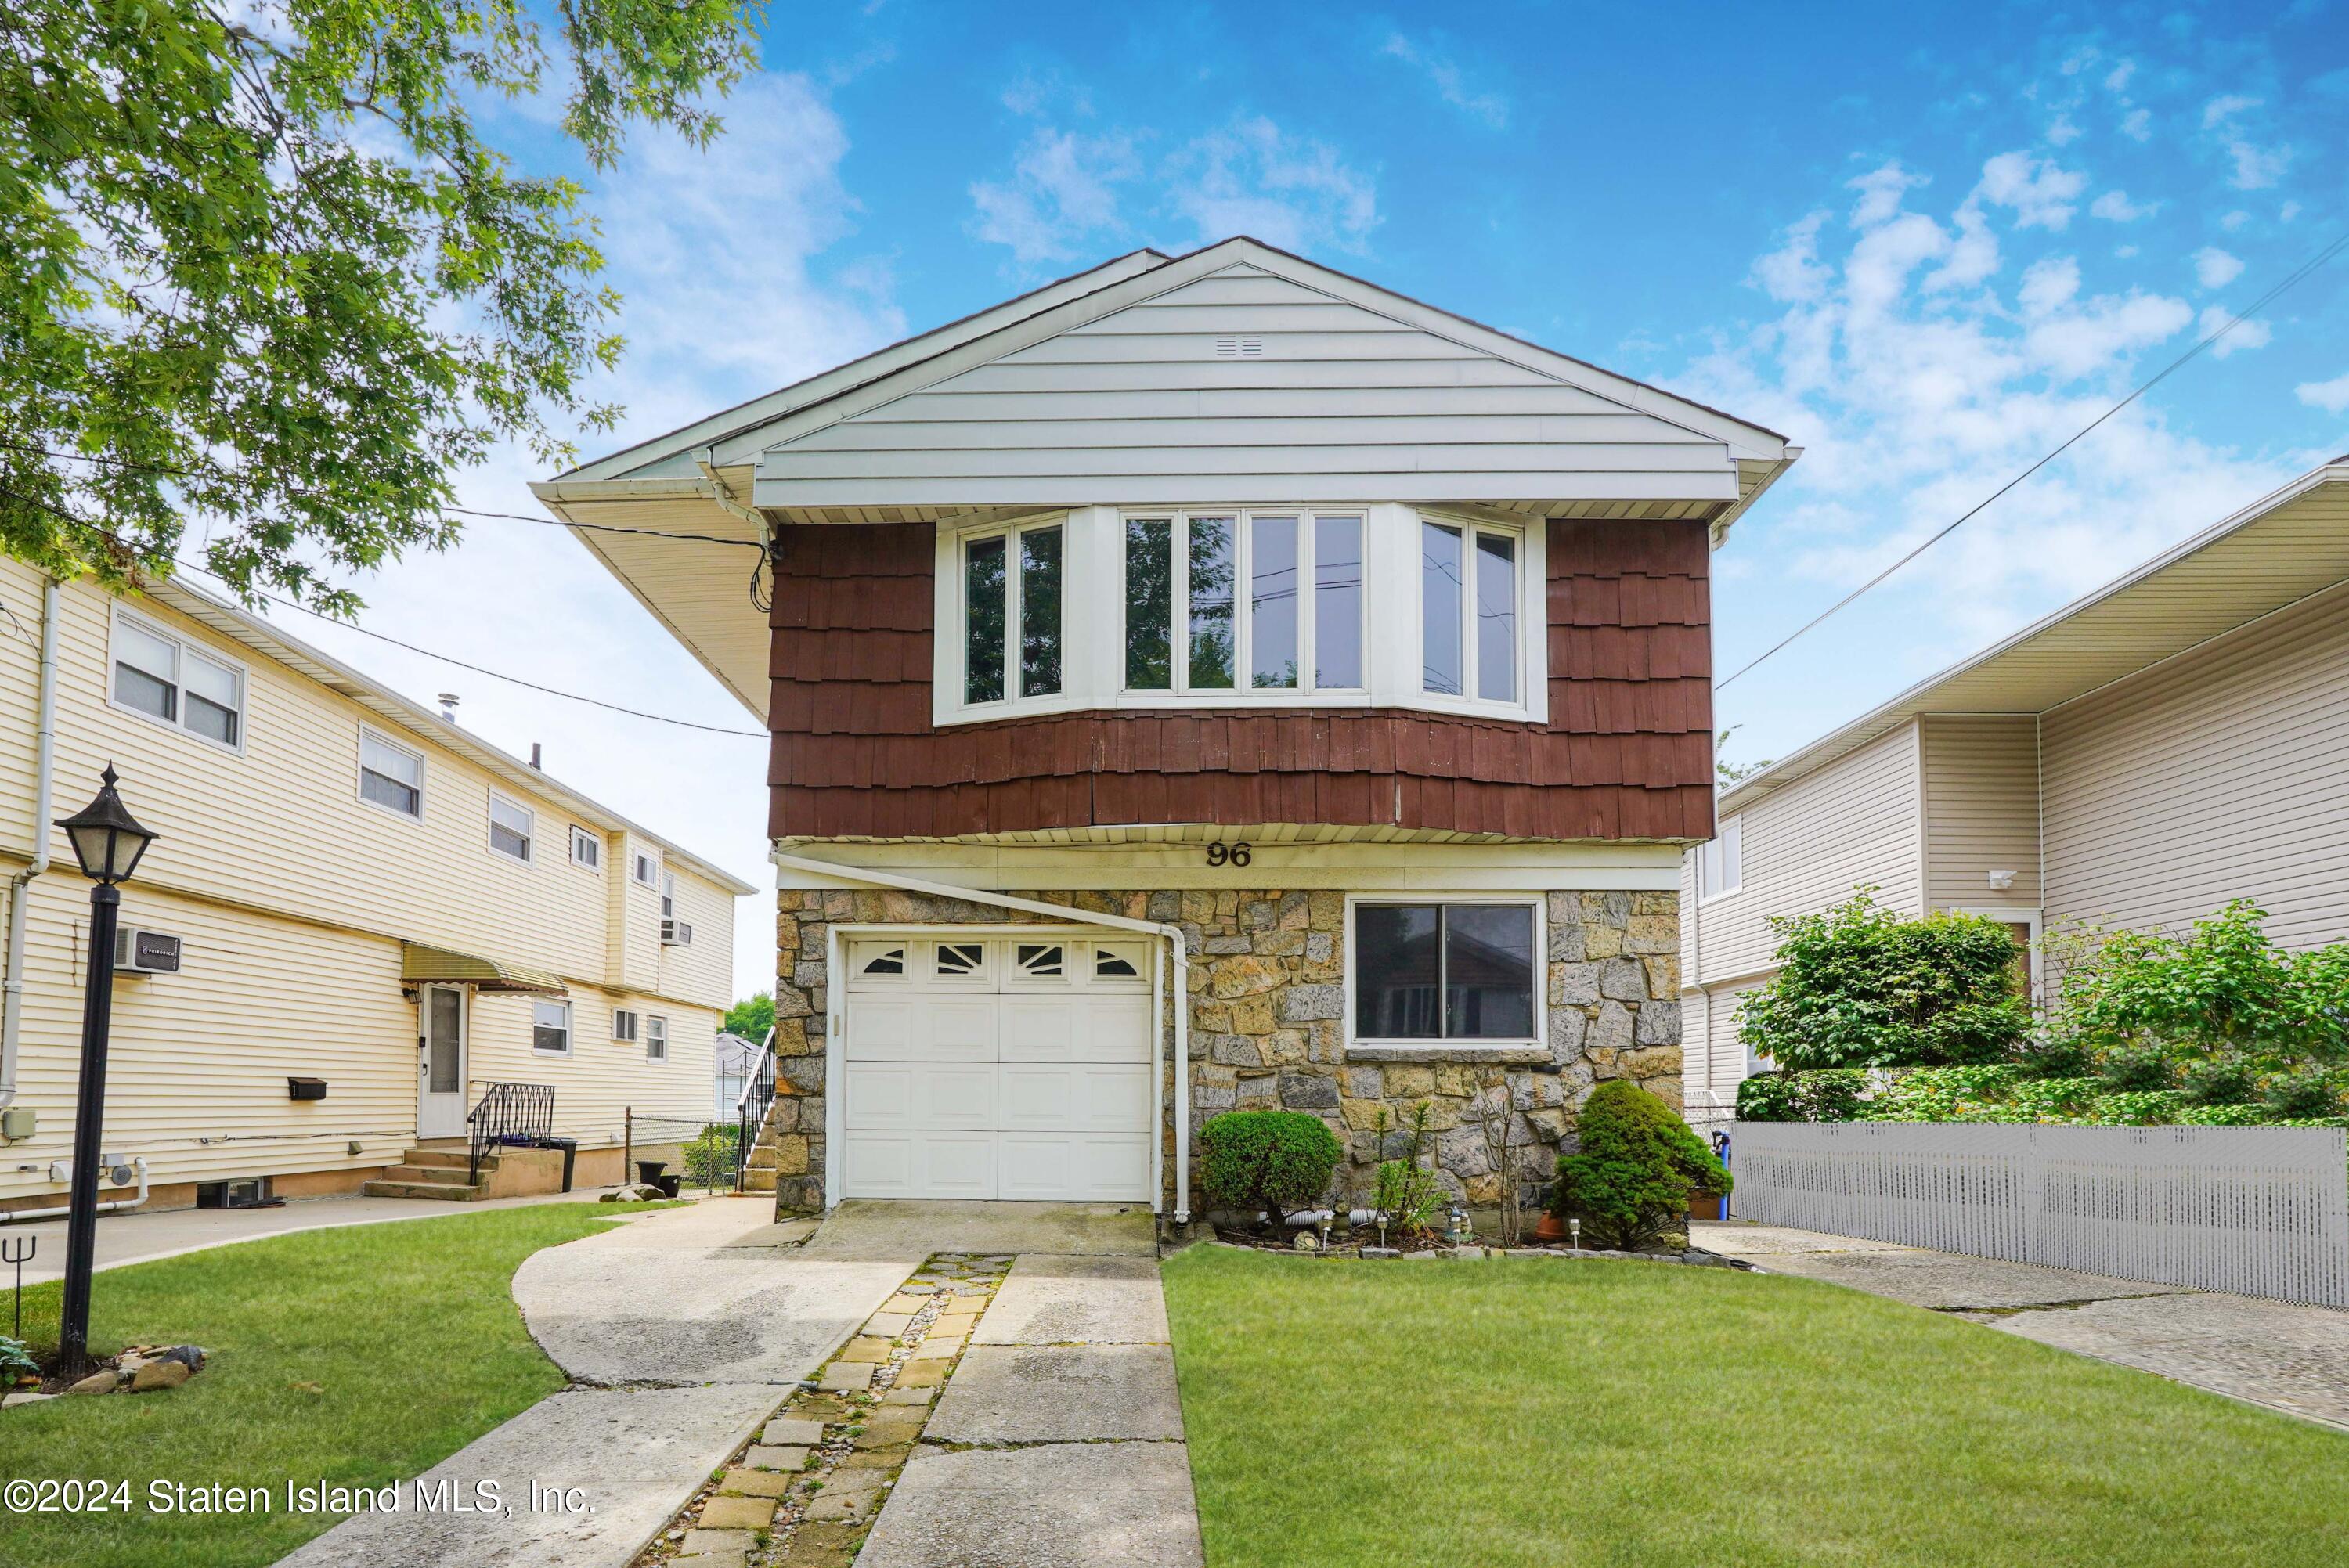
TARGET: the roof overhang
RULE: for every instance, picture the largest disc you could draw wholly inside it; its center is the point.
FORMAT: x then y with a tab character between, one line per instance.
420	963
2280	550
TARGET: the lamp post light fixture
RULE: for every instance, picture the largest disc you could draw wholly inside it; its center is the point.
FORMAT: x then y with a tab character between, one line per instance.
109	843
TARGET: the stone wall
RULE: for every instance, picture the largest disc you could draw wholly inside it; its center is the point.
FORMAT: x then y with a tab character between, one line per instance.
1268	1026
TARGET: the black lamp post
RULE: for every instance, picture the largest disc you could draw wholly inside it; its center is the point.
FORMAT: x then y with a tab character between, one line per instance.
109	843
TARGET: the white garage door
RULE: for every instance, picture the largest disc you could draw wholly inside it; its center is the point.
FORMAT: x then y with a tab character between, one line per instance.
998	1068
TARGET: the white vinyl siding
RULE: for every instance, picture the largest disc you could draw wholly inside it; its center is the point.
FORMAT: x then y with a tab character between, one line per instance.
1982	810
2217	775
1343	403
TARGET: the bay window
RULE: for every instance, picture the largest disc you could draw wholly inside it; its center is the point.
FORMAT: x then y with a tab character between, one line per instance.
1220	601
1468	606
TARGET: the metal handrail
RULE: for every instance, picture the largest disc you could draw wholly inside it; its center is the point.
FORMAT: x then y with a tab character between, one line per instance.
750	1108
510	1113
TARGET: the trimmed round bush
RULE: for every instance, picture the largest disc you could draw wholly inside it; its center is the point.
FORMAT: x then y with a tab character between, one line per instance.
1636	1168
1274	1161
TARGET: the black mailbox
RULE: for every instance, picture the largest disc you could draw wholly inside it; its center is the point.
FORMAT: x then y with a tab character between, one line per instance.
305	1088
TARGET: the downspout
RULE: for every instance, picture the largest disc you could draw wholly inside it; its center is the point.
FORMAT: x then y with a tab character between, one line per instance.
1178	945
44	767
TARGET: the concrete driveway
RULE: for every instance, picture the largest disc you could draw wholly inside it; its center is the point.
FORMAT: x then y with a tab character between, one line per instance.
2289	1358
691	1327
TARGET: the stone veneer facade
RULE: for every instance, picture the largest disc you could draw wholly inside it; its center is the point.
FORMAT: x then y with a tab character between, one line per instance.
1267	1027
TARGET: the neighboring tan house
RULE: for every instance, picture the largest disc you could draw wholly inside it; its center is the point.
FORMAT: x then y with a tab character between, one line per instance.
1218	626
346	887
2177	738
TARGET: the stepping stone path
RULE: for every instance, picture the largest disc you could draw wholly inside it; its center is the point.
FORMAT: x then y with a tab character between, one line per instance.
807	1487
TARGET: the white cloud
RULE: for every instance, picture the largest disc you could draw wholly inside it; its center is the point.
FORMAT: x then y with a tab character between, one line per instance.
2062	131
2332	396
1490	108
1062	195
1792	271
1253	178
1880	189
2115	207
2255	166
2040	193
2138	125
2214	268
2219	111
2245	335
2117	80
2234	220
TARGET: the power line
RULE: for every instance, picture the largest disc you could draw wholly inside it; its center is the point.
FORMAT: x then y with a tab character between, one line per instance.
2289	280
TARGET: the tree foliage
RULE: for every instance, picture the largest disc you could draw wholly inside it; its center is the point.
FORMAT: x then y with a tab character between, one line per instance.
261	268
1859	985
750	1018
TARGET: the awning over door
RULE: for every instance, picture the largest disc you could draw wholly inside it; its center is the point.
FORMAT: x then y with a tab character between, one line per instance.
421	962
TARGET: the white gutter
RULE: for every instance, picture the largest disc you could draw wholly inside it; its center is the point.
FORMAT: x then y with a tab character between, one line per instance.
1178	944
45	767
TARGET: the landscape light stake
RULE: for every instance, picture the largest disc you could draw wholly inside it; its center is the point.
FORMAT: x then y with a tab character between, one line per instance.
1576	1227
107	841
19	1250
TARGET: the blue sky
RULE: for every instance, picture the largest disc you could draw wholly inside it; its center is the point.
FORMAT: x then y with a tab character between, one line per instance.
1927	248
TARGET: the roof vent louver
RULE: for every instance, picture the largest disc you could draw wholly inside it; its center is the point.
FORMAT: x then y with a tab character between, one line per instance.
1239	345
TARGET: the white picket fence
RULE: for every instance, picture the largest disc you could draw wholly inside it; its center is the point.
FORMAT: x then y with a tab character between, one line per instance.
2259	1211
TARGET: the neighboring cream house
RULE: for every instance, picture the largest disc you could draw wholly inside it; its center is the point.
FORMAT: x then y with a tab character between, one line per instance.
2177	738
346	887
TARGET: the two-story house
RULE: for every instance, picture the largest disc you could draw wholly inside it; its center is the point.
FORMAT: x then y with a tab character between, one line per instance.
347	889
2173	740
1205	683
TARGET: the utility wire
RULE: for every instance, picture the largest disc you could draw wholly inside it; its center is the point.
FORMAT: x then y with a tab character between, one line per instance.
2289	280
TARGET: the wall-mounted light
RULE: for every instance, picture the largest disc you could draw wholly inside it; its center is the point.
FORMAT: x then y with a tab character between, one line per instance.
2001	880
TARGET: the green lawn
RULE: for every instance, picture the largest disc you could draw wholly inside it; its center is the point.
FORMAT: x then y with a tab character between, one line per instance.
1507	1412
356	1355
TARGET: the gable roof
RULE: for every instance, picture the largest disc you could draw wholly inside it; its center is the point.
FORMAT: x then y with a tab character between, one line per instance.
2274	553
241	626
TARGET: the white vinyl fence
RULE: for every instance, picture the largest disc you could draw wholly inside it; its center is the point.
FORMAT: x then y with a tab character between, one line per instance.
2259	1211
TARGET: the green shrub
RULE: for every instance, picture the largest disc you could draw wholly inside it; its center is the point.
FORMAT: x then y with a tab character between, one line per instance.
1273	1160
1638	1164
15	1361
1408	1193
2316	1092
1823	1094
1859	985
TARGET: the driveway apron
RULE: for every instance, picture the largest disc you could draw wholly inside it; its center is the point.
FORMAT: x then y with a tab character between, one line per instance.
683	1331
1059	1440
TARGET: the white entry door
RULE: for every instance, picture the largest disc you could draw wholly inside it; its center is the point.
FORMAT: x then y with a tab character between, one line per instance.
998	1068
440	1062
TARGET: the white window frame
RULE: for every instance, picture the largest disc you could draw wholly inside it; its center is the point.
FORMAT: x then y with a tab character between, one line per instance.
1243	692
1452	1049
186	646
645	868
657	1034
1720	861
954	546
1092	625
569	1037
530	839
580	834
1530	607
359	769
624	1024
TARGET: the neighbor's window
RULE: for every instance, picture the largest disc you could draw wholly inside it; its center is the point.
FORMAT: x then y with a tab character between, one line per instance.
624	1024
645	868
167	678
586	849
550	1027
1719	866
1440	971
1468	604
510	829
1011	584
656	1037
390	776
1219	602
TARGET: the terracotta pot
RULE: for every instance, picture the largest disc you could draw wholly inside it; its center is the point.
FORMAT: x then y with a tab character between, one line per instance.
1549	1228
1704	1207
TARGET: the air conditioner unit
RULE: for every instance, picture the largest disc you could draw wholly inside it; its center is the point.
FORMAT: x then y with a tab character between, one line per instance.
138	952
676	933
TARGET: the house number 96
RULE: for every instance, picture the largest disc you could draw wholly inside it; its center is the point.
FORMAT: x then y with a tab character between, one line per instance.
1229	855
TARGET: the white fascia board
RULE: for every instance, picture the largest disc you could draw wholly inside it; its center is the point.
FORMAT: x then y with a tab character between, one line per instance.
1751	441
679	446
1385	867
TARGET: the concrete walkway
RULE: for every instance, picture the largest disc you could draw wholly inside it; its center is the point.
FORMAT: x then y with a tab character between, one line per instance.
2289	1358
692	1328
1058	1442
139	1238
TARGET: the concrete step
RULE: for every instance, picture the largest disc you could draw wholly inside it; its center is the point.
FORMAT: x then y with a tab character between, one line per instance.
453	1175
444	1158
449	1192
759	1179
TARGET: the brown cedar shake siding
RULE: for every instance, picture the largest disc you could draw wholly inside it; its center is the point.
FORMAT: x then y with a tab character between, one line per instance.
1627	753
